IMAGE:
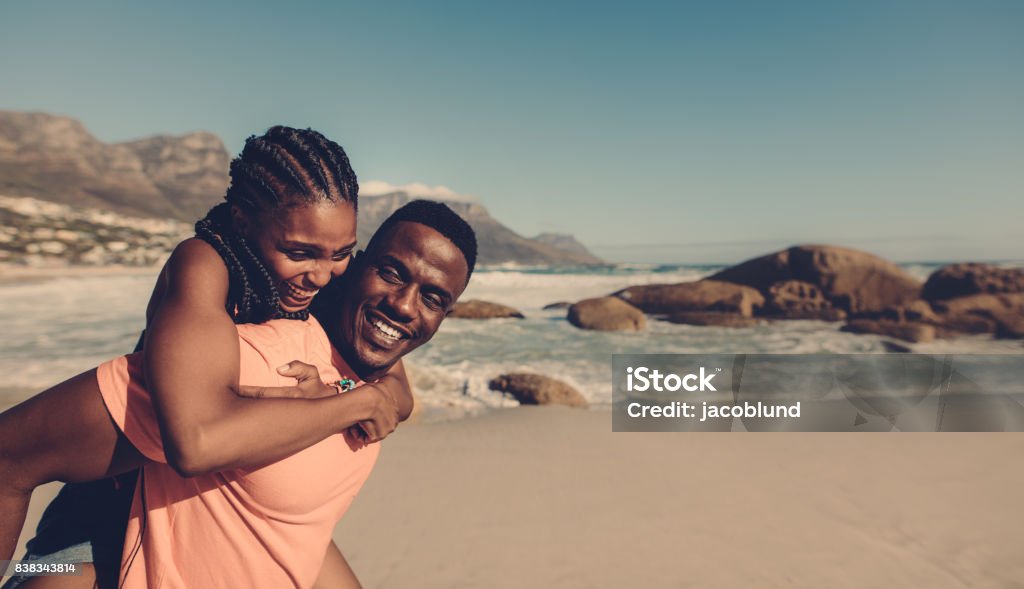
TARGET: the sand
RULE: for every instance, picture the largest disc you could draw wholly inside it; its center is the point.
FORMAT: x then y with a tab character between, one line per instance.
550	497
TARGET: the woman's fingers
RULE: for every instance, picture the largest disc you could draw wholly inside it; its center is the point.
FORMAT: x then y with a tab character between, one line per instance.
300	371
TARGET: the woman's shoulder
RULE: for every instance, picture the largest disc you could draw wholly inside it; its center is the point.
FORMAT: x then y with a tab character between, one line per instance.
195	268
195	254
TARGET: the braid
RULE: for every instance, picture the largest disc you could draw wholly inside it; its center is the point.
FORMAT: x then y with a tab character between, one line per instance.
302	150
283	167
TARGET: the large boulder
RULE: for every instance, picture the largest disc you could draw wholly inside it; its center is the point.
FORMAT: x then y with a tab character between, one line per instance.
1010	327
982	304
606	314
1000	314
796	299
702	295
918	310
713	318
959	280
851	280
536	389
558	305
476	309
907	331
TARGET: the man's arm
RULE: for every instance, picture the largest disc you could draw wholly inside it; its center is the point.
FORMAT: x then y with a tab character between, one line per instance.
192	369
396	384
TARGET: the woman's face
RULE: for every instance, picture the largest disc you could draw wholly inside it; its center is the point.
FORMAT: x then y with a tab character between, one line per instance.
304	247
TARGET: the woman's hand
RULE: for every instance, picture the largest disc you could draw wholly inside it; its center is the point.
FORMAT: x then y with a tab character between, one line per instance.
383	417
308	384
383	409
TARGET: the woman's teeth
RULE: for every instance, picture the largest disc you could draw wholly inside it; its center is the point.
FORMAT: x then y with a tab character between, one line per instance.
299	293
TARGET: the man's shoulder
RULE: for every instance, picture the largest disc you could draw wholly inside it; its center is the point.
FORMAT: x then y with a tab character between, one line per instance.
277	342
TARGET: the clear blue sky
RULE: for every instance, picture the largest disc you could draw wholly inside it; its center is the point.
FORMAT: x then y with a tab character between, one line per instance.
686	132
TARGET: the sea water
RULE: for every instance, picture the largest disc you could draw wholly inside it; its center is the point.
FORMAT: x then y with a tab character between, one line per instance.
55	328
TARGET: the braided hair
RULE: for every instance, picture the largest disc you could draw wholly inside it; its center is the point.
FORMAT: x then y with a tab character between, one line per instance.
280	168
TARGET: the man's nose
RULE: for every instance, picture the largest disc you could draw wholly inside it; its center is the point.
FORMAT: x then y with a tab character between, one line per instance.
402	302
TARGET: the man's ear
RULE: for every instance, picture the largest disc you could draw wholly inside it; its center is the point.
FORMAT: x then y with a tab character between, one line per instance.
241	220
450	309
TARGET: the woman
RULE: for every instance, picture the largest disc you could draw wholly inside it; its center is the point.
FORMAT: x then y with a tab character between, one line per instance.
286	228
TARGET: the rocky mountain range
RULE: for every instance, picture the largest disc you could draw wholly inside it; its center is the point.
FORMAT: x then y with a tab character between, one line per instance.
55	158
51	158
498	244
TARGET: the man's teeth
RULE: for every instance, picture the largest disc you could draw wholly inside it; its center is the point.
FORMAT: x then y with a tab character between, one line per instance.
387	330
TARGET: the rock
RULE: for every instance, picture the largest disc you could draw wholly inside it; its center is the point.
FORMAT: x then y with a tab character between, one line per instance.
476	309
715	318
822	315
1010	327
988	305
536	389
958	280
606	314
974	324
558	305
910	332
795	299
918	310
999	314
851	280
702	295
895	348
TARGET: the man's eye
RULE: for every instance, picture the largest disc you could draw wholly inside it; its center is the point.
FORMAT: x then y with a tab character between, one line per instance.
390	275
342	256
433	301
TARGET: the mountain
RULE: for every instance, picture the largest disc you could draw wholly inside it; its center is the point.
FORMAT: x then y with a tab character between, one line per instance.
497	244
54	158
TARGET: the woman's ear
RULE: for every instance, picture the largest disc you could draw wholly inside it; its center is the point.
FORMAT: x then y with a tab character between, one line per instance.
241	220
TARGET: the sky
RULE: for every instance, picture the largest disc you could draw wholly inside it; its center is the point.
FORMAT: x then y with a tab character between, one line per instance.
653	132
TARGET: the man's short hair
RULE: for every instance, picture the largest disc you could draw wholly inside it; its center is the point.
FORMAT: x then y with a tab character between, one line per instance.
439	217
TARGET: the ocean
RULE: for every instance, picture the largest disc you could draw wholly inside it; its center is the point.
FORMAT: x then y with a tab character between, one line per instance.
56	328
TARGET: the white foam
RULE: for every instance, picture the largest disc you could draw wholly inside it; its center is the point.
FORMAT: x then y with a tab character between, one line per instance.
58	328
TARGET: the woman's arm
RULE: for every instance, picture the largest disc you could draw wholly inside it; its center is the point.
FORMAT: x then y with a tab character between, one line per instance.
395	385
192	370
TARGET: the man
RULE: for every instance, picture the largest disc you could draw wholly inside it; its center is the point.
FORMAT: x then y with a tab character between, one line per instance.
269	525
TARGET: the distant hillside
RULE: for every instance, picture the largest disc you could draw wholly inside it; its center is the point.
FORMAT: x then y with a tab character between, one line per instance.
54	158
498	244
41	233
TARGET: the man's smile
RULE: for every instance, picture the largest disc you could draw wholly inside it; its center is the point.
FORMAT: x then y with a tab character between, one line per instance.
384	331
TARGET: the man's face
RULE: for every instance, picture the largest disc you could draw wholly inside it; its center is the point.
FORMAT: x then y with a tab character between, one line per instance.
398	296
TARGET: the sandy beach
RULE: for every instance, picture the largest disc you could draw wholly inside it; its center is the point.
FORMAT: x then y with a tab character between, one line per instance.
550	497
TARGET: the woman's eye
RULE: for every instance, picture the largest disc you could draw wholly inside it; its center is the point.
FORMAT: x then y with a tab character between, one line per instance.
297	255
